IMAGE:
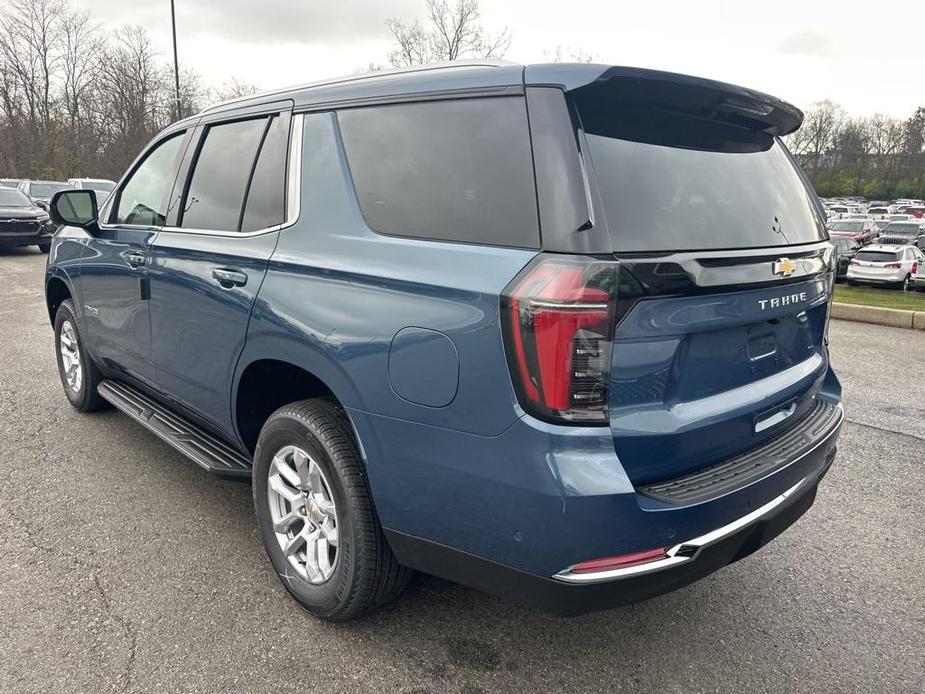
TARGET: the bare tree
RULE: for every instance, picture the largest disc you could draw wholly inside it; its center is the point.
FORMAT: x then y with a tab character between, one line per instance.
235	89
568	54
454	31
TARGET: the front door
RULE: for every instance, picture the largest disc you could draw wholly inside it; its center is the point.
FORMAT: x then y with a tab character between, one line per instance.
207	268
114	269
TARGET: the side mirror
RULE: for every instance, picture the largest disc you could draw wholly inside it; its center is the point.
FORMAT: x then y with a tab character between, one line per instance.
76	208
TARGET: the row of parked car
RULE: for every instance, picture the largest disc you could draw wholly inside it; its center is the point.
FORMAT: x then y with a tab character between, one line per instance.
24	219
879	242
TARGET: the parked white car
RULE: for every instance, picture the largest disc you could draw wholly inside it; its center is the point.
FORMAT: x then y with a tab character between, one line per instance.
101	187
890	265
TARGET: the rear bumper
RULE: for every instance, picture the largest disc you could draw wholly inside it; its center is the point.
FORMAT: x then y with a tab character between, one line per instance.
570	595
877	276
701	551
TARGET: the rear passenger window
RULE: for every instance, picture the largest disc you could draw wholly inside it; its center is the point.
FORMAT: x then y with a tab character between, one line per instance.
221	173
455	170
265	197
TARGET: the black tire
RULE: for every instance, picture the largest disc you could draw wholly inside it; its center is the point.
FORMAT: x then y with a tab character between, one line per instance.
366	573
44	247
85	398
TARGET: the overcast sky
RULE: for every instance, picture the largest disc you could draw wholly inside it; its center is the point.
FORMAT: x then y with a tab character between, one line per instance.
801	51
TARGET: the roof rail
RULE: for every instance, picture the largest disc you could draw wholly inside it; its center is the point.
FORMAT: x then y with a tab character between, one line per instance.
346	79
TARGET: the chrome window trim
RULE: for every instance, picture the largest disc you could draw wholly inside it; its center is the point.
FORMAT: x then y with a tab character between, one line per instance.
293	197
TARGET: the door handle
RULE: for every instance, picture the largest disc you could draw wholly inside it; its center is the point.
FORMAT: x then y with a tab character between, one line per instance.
136	259
229	278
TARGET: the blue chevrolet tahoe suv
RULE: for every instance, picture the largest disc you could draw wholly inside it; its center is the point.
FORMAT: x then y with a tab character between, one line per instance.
556	332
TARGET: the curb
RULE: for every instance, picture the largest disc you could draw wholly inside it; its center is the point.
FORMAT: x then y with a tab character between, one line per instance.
895	318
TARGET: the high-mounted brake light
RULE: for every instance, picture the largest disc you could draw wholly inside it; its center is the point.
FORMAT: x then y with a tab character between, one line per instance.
558	326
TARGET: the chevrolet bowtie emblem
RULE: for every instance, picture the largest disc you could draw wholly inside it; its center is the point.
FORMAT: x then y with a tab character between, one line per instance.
783	267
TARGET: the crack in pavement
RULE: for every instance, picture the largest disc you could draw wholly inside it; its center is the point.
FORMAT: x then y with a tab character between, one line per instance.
885	430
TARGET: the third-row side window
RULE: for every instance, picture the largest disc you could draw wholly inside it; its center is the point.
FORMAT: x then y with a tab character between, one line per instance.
457	170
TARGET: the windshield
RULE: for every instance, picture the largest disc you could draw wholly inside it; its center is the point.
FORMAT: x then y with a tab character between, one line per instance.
672	182
10	197
103	188
901	229
848	226
878	210
877	256
46	190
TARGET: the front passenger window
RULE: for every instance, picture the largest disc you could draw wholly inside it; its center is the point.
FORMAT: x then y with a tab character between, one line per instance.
143	199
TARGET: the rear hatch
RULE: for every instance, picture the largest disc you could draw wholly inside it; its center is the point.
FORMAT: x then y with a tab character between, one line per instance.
724	275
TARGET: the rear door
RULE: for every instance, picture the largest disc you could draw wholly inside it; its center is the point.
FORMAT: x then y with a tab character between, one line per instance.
724	281
207	266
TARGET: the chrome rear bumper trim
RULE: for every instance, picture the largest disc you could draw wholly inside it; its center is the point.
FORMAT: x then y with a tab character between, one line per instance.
683	552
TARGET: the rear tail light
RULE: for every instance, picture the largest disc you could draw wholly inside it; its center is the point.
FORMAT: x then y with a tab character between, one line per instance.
915	268
853	262
893	266
558	317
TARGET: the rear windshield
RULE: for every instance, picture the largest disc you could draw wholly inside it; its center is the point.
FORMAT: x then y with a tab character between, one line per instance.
847	226
878	210
878	256
671	182
46	190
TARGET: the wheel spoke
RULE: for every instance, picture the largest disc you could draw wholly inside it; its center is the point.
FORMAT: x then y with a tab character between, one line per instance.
286	472
290	495
311	553
314	477
282	524
293	544
324	558
301	465
329	531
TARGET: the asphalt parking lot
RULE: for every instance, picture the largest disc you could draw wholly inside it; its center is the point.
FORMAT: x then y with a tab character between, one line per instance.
125	568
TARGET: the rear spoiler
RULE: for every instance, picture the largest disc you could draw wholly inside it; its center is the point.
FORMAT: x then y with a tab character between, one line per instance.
695	96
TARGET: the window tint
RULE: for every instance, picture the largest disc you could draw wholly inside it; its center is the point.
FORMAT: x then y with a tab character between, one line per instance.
670	181
143	199
265	197
878	256
222	169
458	170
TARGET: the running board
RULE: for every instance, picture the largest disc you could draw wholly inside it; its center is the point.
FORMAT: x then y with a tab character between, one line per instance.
191	440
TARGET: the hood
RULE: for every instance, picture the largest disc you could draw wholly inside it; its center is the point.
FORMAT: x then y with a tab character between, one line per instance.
21	212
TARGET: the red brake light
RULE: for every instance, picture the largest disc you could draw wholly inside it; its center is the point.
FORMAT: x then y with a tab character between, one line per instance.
915	268
558	323
893	266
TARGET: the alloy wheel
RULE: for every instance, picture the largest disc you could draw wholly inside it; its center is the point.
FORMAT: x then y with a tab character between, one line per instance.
70	356
304	514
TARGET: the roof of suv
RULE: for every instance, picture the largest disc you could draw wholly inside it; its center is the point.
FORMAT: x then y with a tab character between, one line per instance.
771	114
